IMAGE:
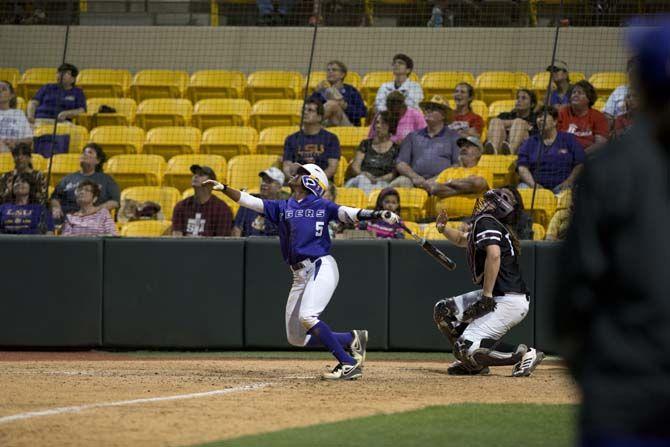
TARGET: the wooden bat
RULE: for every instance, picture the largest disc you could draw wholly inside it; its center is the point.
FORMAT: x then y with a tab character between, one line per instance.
429	248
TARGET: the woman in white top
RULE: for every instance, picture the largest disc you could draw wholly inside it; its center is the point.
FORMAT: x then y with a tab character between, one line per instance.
14	127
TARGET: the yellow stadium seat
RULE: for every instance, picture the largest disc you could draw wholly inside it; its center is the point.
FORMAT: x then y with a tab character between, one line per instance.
170	141
458	172
496	85
78	134
413	227
606	82
498	107
178	173
541	79
12	75
544	206
150	84
443	82
33	79
271	140
374	79
163	113
353	197
274	85
350	138
117	140
136	170
221	112
477	106
126	109
539	232
213	84
21	103
104	83
503	168
457	206
243	170
413	202
234	206
564	199
353	79
229	141
62	165
276	112
341	171
600	103
166	196
146	228
432	234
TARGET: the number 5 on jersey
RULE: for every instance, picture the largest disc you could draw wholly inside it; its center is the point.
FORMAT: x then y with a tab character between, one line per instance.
319	229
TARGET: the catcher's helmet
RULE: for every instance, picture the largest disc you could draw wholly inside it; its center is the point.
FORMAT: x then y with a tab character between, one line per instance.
500	203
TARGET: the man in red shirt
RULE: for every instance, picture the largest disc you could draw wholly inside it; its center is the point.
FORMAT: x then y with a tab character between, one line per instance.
466	122
587	124
202	214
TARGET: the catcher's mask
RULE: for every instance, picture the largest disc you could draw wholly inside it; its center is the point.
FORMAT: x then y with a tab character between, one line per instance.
500	203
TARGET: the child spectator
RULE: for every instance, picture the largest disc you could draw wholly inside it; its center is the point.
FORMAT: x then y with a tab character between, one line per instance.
22	214
388	199
89	220
14	127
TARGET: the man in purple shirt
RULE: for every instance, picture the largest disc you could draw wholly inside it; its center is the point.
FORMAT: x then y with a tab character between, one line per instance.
61	101
343	104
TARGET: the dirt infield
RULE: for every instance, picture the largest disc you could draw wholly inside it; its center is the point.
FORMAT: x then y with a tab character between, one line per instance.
287	393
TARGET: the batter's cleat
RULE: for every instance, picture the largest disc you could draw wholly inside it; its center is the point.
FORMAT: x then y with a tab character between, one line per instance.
528	363
458	369
344	372
359	344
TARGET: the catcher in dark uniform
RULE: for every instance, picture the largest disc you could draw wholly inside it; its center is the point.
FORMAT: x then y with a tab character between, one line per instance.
476	321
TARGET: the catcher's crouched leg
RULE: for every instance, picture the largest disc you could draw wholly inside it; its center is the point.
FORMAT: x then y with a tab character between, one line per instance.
444	316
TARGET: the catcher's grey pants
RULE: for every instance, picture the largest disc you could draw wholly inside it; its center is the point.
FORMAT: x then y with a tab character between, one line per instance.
511	309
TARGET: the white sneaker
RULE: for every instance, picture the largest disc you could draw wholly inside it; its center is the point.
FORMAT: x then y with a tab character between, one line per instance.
528	363
359	345
344	372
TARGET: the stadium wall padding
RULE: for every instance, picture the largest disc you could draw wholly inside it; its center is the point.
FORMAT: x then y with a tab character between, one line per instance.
231	293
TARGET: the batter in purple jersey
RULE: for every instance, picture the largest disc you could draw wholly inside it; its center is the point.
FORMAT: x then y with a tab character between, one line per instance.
302	221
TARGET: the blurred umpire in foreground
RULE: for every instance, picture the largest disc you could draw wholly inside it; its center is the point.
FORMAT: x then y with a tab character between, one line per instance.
613	309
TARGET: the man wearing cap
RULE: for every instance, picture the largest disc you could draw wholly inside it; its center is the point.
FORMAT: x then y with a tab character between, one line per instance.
561	79
61	101
427	152
202	214
251	223
467	177
402	67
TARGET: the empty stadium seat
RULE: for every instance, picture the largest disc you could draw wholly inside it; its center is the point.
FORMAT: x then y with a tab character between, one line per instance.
7	162
413	202
117	140
374	79
126	109
12	75
229	141
78	134
431	233
211	84
498	107
178	172
353	197
104	83
443	82
234	206
606	82
150	84
350	138
600	103
221	112
541	79
166	196
33	79
136	170
146	228
271	140
163	113
503	168
170	141
353	79
243	170
457	206
274	85
496	85
338	178
413	227
539	233
544	206
62	165
276	112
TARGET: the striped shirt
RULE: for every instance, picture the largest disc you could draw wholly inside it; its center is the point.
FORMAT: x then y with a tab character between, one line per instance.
99	223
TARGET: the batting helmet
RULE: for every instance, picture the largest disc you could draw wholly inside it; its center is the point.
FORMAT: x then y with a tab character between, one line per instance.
313	178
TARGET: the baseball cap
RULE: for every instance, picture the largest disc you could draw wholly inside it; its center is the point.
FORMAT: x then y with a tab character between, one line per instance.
274	173
209	172
558	65
68	67
470	139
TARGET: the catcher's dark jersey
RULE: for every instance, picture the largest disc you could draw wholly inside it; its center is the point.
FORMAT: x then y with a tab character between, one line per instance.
486	230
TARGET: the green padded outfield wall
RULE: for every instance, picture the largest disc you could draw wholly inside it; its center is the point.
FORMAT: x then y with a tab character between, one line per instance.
546	286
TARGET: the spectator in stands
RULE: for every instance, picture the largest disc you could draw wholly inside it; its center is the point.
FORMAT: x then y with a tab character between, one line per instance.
89	219
64	198
202	214
22	214
250	223
465	121
581	119
402	120
268	16
464	178
61	101
14	127
402	67
561	160
374	163
342	103
623	122
388	199
616	103
311	144
22	165
510	129
427	152
560	78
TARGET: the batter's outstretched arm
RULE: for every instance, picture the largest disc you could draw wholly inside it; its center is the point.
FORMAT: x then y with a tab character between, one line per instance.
348	214
241	197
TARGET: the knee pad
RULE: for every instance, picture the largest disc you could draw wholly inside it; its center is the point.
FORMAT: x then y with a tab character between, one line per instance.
444	311
487	355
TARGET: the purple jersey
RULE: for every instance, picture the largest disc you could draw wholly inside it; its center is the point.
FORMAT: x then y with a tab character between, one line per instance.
303	226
